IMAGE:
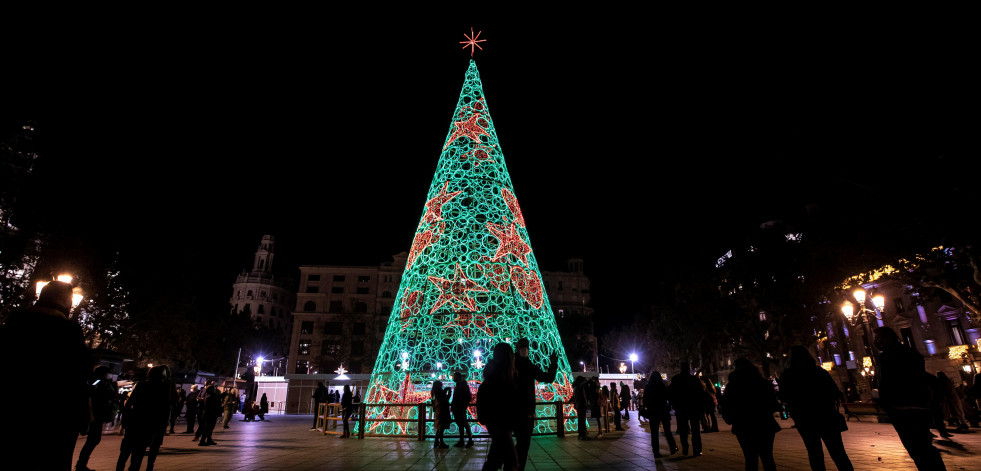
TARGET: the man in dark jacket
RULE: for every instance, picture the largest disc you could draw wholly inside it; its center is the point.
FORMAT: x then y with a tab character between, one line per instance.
528	373
658	411
192	408
581	404
459	405
625	400
686	395
103	395
906	398
47	433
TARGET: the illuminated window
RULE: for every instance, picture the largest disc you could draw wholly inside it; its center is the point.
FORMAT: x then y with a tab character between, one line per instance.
331	349
957	336
304	347
364	278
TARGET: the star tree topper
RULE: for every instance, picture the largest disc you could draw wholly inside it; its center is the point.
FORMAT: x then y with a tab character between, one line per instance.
472	41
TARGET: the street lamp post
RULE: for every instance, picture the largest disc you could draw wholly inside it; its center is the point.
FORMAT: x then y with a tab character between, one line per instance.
633	358
864	319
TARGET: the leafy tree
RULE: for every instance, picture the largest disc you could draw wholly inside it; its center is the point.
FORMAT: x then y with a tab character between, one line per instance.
19	245
954	270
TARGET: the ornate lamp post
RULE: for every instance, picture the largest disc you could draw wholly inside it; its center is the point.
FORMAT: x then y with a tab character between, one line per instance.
863	318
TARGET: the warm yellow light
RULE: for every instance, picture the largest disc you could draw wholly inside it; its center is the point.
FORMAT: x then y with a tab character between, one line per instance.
955	352
40	286
859	295
623	368
966	368
65	278
866	362
848	310
879	301
76	300
828	365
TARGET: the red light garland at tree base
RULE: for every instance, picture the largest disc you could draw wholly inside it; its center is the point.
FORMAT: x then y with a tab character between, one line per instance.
471	280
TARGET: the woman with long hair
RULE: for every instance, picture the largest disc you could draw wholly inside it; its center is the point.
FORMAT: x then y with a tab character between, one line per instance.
495	410
748	405
441	412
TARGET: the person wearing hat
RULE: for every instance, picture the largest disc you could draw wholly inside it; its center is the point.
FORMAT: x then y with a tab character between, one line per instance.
527	374
44	334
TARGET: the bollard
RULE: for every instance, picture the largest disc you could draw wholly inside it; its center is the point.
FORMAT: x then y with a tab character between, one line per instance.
422	421
361	414
559	420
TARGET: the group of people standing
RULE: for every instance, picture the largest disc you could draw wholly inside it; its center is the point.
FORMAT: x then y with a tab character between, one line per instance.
600	401
811	398
347	400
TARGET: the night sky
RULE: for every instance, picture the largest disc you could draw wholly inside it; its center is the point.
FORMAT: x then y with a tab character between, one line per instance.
637	144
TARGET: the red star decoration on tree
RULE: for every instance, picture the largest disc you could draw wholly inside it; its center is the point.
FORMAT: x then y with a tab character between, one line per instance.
455	292
512	203
468	128
511	243
472	41
529	286
464	320
434	207
421	241
411	304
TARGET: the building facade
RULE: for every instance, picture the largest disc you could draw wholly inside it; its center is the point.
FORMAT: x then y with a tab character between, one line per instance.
568	294
268	300
342	313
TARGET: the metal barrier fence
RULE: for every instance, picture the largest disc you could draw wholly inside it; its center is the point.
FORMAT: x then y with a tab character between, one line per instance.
331	414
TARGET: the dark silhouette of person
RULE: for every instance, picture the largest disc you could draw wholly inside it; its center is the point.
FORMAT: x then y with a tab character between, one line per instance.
102	393
441	412
906	398
615	404
952	407
812	398
936	404
685	394
581	404
192	408
179	400
146	414
459	405
498	408
211	409
710	423
263	407
157	439
527	374
592	396
625	400
657	409
974	395
319	397
347	407
748	405
51	338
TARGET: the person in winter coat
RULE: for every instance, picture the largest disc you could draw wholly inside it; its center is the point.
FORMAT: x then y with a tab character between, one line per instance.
953	409
710	423
441	412
581	404
158	434
592	396
625	400
230	403
657	409
615	405
527	374
686	396
103	395
192	408
812	398
320	395
210	412
459	405
905	396
179	400
347	408
604	407
263	407
748	405
495	408
146	413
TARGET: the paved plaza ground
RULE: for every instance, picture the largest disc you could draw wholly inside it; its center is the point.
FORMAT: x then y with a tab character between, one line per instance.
285	442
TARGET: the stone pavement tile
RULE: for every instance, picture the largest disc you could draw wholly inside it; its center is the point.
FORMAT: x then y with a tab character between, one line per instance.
285	442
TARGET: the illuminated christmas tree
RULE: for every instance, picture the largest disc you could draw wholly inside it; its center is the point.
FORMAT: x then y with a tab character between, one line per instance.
471	280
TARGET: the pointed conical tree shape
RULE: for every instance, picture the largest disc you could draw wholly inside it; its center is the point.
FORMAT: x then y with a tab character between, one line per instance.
471	280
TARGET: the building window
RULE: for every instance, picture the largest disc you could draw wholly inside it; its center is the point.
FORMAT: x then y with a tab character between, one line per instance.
239	295
304	347
360	307
386	294
359	328
313	289
309	306
337	290
247	309
262	294
333	328
331	349
306	327
302	367
357	348
249	294
313	277
262	309
335	306
957	336
362	290
900	307
363	278
338	277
